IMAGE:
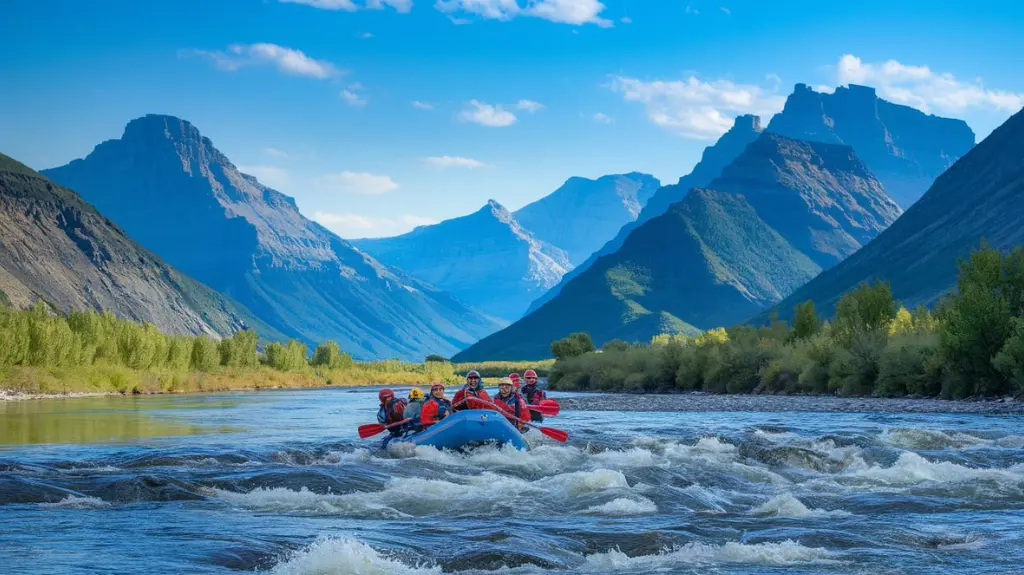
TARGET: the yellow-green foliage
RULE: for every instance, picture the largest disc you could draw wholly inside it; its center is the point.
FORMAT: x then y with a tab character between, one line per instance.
503	368
973	345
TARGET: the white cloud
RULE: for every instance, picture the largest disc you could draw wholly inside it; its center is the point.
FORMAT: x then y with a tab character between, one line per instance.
352	98
691	10
626	20
487	115
403	6
271	176
923	88
725	11
529	105
575	12
697	109
603	118
286	60
454	162
366	35
275	152
359	226
422	105
357	183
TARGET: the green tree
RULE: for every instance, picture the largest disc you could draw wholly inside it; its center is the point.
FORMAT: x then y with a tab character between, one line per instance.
205	354
329	356
239	350
574	345
615	345
805	322
434	358
867	309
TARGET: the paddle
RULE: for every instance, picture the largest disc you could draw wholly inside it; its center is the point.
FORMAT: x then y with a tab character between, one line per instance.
371	429
556	434
548	407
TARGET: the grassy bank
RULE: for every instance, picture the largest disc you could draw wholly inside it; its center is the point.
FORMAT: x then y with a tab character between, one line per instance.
498	369
971	345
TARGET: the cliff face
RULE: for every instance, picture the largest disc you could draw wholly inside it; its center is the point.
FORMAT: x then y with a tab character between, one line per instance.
903	147
56	247
777	215
583	214
980	196
486	259
173	191
745	130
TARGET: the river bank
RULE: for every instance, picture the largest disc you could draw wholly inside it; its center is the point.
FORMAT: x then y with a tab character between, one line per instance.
707	402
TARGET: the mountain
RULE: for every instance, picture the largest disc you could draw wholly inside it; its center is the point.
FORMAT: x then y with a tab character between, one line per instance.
174	192
820	197
745	130
777	215
905	148
486	259
56	247
583	214
980	196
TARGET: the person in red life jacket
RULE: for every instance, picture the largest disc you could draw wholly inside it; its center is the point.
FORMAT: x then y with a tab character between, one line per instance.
511	403
391	411
532	394
437	406
464	398
515	381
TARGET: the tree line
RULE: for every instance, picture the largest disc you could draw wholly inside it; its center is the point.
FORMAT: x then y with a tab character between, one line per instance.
38	337
970	344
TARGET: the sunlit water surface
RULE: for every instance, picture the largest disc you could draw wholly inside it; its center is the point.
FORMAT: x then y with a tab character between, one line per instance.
279	482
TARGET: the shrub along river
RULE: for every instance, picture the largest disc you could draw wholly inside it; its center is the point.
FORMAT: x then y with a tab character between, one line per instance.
279	482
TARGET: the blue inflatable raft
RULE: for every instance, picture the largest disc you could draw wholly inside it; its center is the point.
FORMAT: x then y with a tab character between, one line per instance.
468	428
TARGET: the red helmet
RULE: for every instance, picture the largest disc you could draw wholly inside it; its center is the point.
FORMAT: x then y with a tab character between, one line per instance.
436	385
515	380
530	373
385	394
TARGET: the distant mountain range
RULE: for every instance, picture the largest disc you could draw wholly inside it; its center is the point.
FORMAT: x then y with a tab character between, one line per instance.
177	195
56	247
980	196
777	215
486	259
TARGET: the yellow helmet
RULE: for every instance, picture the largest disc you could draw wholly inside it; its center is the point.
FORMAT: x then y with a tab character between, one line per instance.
415	393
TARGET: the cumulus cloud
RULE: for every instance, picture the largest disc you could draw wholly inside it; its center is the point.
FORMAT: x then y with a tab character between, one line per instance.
575	12
454	162
698	109
286	60
924	88
356	183
602	118
275	152
422	105
626	20
366	35
271	176
529	105
403	6
487	115
358	226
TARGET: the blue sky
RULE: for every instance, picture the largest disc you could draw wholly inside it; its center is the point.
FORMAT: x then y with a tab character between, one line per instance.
378	115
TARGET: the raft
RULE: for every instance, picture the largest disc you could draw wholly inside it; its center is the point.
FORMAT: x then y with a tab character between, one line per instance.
468	428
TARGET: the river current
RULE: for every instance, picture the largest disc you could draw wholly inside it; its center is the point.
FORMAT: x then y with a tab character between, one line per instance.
279	482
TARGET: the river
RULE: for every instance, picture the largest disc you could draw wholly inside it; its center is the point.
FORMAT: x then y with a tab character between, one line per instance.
279	482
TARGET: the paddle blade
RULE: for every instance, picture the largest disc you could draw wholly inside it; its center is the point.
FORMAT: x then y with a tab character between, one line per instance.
551	405
556	434
370	429
545	409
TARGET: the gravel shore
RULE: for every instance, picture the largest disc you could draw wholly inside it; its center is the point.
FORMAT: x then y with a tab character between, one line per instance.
779	403
7	395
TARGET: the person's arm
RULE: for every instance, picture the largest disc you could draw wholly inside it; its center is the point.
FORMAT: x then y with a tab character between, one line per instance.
382	415
400	411
428	413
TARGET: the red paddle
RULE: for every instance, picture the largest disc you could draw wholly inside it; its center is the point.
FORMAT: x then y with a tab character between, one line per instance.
548	407
556	434
371	429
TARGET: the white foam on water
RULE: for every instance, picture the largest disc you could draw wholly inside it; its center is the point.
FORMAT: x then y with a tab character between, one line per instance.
622	507
335	556
912	468
930	439
786	552
1011	442
850	458
786	505
289	500
75	502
